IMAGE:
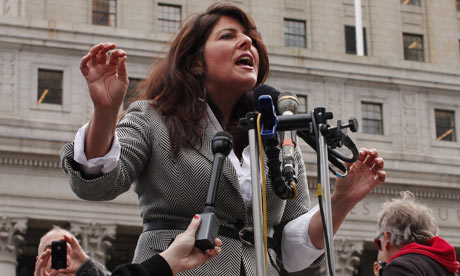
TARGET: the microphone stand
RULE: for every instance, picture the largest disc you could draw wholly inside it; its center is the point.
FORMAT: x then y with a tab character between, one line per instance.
261	255
315	123
319	119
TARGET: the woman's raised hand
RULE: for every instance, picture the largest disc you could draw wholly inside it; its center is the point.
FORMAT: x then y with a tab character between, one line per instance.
105	75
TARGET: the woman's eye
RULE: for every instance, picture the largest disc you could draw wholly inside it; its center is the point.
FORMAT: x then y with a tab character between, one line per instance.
226	36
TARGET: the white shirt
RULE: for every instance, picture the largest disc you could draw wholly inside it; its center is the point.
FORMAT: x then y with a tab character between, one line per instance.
296	247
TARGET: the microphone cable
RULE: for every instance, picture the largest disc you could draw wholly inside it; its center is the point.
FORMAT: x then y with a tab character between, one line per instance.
264	190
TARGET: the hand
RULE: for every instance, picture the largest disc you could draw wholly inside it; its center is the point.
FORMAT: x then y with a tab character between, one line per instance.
75	255
182	253
107	82
75	258
42	265
363	175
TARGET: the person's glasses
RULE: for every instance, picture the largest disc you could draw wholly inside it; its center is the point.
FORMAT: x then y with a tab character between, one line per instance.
378	243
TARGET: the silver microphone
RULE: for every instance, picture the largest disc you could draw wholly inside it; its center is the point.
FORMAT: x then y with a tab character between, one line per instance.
287	105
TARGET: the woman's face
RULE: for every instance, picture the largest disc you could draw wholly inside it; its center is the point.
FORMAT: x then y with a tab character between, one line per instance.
232	61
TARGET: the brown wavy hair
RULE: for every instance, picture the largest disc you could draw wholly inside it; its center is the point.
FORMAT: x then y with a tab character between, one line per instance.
177	89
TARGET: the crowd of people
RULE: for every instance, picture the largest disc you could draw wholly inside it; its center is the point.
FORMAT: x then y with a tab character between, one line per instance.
161	145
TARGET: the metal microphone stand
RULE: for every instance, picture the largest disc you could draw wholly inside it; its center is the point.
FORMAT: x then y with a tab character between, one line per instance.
251	120
316	124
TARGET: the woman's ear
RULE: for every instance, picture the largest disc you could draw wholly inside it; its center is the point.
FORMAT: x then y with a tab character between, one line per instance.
197	68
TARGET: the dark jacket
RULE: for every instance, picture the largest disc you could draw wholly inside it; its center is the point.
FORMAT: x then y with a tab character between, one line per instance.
437	257
156	265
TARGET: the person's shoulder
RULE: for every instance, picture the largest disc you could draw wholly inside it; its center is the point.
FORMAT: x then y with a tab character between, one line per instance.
141	105
414	264
143	109
403	265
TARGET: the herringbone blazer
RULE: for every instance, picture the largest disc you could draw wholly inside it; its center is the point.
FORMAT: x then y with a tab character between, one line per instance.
171	187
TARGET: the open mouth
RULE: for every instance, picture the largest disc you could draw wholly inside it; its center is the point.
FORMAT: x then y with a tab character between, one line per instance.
245	60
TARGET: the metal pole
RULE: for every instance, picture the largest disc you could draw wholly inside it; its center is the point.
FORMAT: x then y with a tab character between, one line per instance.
326	191
359	29
257	204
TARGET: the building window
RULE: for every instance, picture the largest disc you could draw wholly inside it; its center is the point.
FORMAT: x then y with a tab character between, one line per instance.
104	12
49	86
350	40
294	33
445	125
413	47
412	2
372	118
169	18
302	108
133	83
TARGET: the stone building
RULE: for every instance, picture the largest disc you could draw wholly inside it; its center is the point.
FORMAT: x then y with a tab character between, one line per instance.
404	93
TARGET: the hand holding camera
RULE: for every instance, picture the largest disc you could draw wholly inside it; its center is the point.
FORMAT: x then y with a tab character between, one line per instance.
66	256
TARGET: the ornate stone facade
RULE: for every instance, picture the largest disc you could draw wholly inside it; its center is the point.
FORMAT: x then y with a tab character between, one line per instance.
12	232
95	238
54	34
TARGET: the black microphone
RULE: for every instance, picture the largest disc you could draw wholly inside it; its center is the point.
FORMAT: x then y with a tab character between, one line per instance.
222	144
265	89
287	105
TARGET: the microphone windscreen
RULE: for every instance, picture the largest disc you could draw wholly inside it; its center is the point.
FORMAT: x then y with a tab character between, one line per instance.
265	89
287	101
222	142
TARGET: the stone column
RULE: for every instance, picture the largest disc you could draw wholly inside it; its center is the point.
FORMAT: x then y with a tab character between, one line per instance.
11	237
95	238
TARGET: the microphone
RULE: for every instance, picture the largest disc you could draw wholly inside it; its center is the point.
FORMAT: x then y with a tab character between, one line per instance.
287	105
294	121
221	145
265	89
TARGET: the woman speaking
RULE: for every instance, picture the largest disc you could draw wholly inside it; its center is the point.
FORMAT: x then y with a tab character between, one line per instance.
162	145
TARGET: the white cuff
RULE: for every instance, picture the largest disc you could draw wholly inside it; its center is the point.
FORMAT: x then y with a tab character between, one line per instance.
296	247
97	165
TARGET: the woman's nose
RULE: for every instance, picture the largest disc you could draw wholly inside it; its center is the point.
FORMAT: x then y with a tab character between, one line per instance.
245	42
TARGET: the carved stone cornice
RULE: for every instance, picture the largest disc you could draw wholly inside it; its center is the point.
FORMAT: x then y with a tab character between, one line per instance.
11	237
419	192
434	193
27	161
95	238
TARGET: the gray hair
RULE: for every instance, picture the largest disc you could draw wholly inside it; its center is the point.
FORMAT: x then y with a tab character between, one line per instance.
55	228
407	221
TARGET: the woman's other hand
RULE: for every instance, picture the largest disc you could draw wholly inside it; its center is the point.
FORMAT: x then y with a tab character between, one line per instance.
363	175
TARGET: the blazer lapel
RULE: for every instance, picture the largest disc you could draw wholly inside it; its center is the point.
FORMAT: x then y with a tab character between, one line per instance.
228	171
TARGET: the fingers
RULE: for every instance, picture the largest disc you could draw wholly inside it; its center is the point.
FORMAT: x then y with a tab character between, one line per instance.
71	241
96	55
217	242
211	253
84	64
102	55
93	52
381	176
41	263
116	56
193	226
122	72
378	165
